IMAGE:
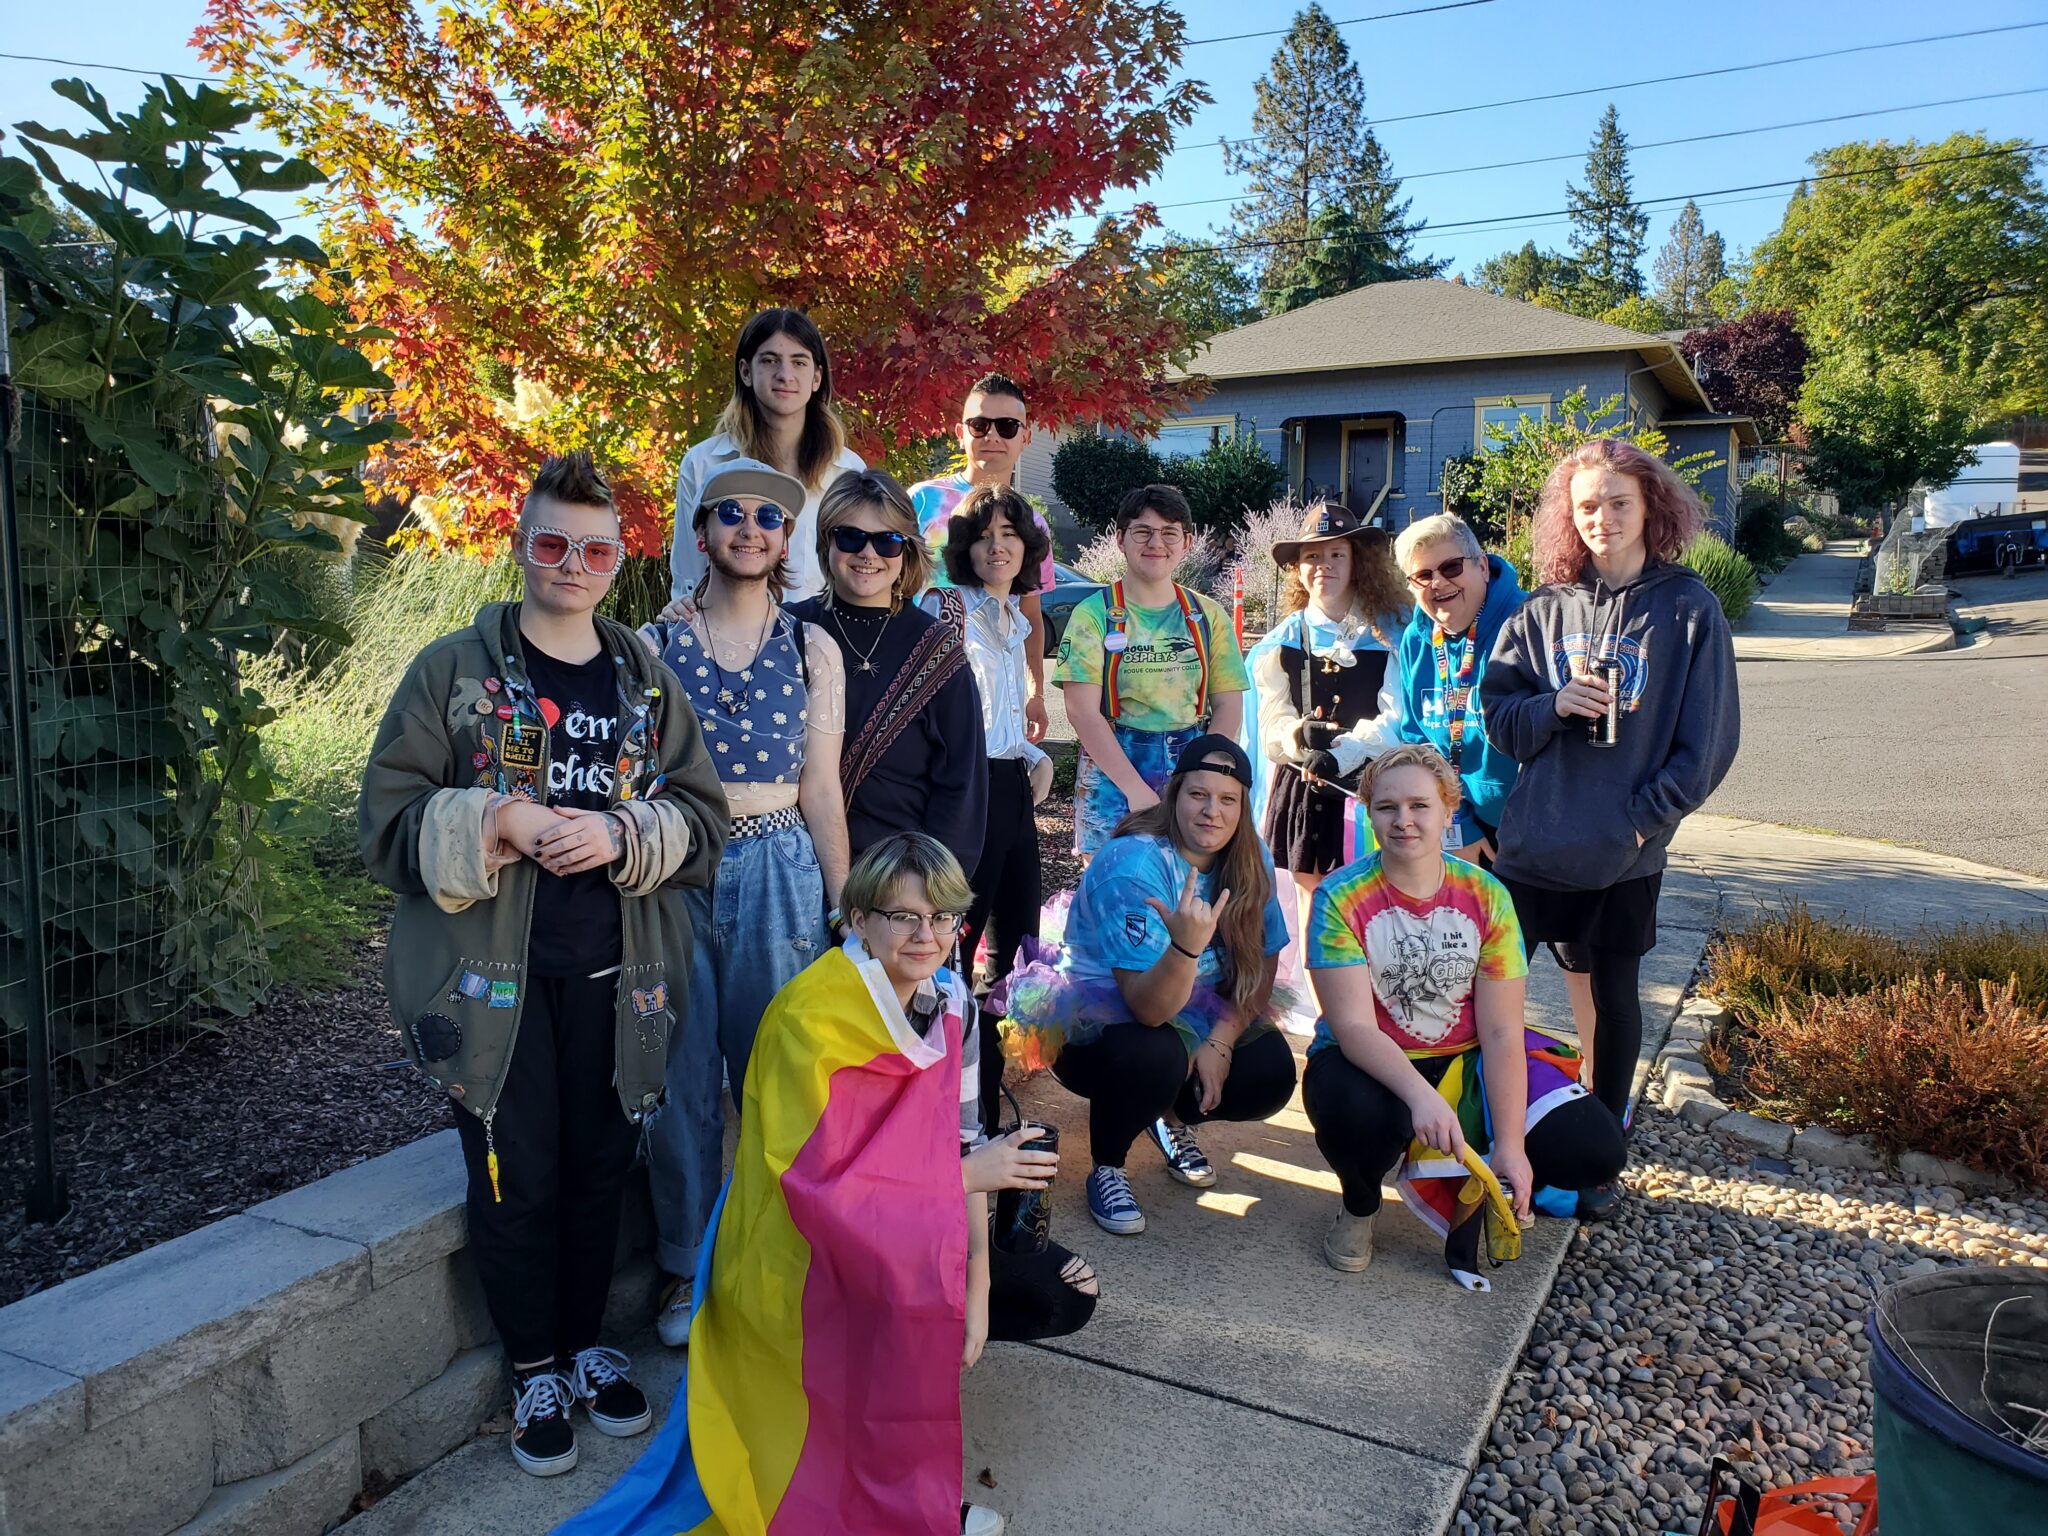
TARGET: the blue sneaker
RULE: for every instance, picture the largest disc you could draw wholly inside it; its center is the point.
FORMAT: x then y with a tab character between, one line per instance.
1110	1201
1184	1159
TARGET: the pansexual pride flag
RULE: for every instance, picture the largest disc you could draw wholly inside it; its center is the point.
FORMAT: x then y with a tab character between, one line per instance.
823	1394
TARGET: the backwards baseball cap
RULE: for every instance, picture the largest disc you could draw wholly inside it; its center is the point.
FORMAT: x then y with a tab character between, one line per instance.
750	477
1194	757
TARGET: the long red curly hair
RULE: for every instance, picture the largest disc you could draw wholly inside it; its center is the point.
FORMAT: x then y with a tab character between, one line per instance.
1672	511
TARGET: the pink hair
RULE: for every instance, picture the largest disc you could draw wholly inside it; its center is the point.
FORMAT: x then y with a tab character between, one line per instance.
1672	512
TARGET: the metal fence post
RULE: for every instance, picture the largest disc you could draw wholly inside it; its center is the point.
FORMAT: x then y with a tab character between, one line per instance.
48	1199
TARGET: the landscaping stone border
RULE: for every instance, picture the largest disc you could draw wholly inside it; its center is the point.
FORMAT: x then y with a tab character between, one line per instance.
1686	1088
249	1378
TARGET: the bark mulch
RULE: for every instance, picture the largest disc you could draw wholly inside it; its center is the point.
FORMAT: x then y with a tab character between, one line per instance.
305	1087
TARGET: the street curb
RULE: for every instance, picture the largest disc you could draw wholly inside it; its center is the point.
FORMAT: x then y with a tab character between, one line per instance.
1874	647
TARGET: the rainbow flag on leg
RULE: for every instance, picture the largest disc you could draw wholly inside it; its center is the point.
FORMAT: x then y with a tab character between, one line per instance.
823	1392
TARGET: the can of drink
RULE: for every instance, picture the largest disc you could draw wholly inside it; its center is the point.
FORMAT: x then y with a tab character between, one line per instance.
1023	1222
1601	730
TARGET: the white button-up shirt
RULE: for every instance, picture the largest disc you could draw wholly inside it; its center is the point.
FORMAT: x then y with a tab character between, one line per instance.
997	637
686	562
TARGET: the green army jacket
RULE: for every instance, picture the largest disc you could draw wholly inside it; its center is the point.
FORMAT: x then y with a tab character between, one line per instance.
455	968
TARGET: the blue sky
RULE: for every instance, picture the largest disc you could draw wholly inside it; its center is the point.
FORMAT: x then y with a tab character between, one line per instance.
1481	53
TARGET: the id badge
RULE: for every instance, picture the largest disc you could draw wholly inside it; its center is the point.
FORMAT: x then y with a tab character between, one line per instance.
1454	835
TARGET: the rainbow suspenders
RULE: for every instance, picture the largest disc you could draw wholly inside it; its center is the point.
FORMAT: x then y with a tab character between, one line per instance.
1115	640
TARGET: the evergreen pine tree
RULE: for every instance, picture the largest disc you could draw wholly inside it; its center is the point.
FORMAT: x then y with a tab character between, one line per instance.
1607	227
1313	153
1687	268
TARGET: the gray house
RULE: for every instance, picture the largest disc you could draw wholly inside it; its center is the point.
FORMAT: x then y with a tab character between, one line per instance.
1365	396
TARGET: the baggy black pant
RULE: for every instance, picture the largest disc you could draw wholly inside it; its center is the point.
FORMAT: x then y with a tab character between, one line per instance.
1006	907
1131	1074
544	1249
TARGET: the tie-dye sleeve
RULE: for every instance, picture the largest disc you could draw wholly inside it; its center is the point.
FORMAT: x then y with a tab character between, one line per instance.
1501	956
1332	941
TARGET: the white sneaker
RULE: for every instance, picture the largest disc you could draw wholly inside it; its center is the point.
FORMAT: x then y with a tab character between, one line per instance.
673	1323
1348	1245
980	1520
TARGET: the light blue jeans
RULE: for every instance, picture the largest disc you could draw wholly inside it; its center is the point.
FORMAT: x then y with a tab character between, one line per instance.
761	922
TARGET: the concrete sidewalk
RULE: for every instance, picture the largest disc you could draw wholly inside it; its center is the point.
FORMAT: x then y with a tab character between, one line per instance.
1231	1384
1803	615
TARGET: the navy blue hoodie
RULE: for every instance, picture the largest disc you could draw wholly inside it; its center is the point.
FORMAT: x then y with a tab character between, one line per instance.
1576	810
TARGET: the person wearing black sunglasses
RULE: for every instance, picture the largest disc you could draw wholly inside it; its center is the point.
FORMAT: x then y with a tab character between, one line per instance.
770	691
993	433
914	754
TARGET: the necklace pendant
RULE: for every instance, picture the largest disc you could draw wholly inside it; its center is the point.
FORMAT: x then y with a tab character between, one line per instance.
867	666
728	700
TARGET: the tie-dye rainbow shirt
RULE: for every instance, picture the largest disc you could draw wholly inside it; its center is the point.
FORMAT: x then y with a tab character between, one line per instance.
1425	956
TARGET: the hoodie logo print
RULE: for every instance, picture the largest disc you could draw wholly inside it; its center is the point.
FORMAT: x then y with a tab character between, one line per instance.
1572	654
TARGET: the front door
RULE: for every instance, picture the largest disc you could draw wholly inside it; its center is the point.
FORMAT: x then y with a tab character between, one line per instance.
1368	463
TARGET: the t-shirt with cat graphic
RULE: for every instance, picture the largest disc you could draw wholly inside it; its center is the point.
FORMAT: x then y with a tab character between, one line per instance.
576	917
1426	956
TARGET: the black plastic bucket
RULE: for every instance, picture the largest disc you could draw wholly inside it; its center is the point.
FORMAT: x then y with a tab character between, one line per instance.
1944	1371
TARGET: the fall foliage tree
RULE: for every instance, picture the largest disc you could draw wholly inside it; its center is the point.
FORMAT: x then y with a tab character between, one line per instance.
564	210
1753	364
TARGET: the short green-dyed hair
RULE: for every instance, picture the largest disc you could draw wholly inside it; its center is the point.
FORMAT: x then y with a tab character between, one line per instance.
914	855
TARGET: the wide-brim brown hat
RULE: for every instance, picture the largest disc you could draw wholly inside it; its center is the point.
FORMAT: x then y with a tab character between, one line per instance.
1325	523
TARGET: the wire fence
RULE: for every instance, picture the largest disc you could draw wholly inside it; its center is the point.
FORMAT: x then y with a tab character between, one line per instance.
140	938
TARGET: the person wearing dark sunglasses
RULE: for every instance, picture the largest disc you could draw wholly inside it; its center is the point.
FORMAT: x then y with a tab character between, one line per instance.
913	757
993	433
770	691
540	798
780	413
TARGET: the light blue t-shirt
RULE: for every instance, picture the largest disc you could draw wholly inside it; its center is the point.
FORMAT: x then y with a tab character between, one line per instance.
1111	928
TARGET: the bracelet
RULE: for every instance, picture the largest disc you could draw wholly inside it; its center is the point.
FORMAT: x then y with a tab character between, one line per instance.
1219	1046
1190	953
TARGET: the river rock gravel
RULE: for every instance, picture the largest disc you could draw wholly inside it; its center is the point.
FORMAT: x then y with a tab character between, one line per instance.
1722	1313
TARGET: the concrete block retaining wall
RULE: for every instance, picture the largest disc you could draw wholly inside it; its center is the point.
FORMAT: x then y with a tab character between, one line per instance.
248	1378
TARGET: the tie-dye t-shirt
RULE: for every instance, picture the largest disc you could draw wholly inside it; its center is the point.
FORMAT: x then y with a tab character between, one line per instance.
1159	679
1425	956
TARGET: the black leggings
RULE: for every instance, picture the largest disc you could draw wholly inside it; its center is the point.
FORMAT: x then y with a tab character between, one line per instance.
1363	1128
1617	1016
1131	1074
1029	1298
1006	903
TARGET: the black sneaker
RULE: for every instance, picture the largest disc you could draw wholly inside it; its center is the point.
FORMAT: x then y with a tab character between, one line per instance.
543	1440
1600	1203
615	1405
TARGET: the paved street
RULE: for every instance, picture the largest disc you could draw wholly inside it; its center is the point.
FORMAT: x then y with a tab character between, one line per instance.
1947	751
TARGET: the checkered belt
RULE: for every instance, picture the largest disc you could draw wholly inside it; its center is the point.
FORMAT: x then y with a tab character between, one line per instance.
744	827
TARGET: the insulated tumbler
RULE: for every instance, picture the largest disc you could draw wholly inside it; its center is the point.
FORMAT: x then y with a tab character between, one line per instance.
1024	1216
1600	730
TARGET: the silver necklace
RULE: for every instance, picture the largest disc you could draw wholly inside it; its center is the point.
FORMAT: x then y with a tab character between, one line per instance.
867	657
731	699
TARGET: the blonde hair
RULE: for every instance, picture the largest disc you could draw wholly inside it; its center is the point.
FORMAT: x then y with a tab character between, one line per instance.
859	488
1413	755
906	856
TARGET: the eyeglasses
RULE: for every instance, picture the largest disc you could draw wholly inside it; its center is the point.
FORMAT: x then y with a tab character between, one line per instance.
767	517
906	924
550	547
850	541
1450	570
1167	537
1005	427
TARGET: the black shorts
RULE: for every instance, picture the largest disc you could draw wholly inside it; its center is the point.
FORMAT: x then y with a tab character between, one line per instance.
1622	917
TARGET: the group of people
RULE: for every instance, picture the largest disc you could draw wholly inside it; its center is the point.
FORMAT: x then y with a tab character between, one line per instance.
779	844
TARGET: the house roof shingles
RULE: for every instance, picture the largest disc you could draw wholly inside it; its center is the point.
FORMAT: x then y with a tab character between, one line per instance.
1422	321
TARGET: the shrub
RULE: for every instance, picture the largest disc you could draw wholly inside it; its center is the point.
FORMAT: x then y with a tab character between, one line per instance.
1936	1041
1728	575
1763	537
1224	483
1092	474
1252	549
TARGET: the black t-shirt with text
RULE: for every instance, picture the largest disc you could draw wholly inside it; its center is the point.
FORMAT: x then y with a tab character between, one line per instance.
576	917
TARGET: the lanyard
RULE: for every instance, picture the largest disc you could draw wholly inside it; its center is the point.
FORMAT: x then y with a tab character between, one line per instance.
1457	697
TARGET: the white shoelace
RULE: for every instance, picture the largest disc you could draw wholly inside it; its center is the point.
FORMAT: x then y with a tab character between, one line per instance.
599	1367
1182	1140
545	1393
1116	1188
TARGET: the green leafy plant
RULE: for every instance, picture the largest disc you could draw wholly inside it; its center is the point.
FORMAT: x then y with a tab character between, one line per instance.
1092	474
1226	481
1762	536
1727	573
188	427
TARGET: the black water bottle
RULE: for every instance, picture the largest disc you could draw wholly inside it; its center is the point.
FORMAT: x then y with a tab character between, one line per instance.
1024	1216
1602	730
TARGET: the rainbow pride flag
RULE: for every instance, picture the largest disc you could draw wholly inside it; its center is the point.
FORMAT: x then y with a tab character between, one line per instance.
823	1392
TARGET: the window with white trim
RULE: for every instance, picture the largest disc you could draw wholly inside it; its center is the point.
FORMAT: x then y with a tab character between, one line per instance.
1189	437
1506	412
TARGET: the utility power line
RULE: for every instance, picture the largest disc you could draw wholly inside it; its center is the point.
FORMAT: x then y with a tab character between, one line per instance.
1420	10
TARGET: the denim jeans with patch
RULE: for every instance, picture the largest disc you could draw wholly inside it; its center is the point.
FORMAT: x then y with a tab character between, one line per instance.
761	922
